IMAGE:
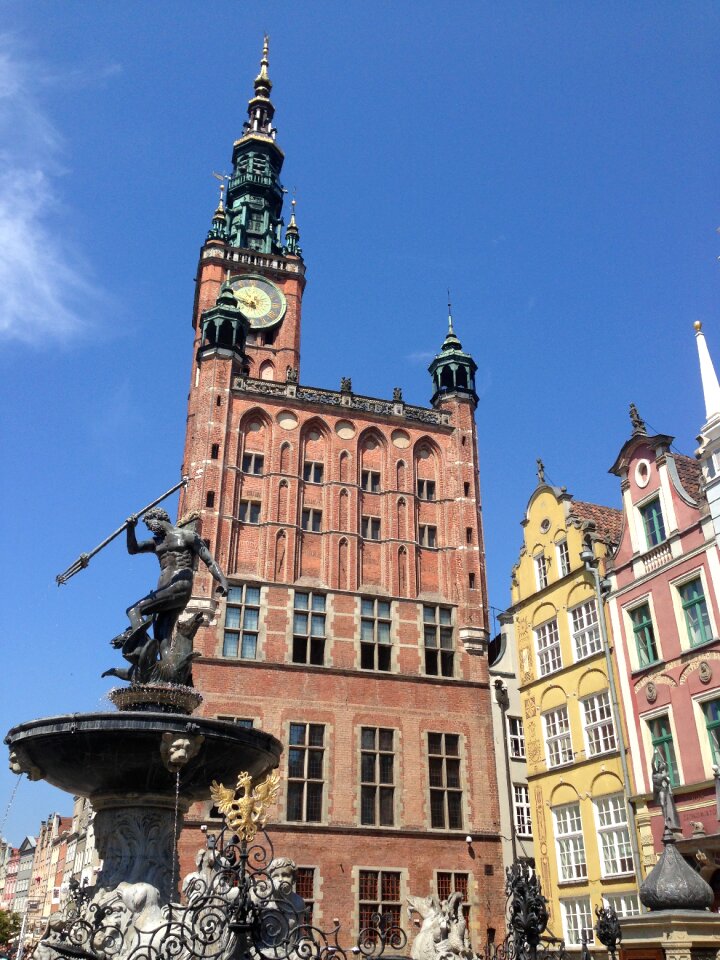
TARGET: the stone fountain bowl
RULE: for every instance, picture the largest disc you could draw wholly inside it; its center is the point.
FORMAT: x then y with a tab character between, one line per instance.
126	753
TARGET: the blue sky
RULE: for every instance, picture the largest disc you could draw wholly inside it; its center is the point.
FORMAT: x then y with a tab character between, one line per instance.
554	164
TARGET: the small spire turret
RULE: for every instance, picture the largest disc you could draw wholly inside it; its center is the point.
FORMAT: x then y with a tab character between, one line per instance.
452	370
224	326
218	229
292	235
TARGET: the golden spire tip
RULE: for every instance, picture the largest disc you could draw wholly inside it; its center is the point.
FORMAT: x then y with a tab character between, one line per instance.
698	326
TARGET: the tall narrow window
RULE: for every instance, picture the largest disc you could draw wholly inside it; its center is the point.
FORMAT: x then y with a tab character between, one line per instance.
541	574
547	640
557	737
571	860
313	471
585	630
447	883
445	782
653	523
371	528
253	463
379	893
662	741
615	849
577	921
599	727
309	628
370	481
711	709
375	624
644	635
516	738
249	511
521	810
377	772
697	619
312	520
426	489
305	772
242	620
305	888
563	555
439	641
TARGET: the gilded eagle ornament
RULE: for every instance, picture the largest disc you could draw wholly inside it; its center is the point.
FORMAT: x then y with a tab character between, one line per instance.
246	813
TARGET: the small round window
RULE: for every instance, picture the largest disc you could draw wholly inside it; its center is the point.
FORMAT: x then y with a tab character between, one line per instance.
545	526
642	473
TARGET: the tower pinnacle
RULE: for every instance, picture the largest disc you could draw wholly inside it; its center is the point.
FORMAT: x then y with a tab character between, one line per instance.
711	388
452	370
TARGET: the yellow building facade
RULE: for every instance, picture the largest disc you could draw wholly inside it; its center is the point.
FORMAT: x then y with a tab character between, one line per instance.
584	848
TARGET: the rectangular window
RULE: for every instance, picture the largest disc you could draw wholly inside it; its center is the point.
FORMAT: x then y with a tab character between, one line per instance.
521	809
439	641
445	783
711	710
309	628
305	888
563	555
371	528
516	738
370	481
644	635
253	463
426	489
697	619
214	451
547	640
313	471
305	772
599	727
662	741
447	883
541	574
375	640
653	524
312	519
242	622
624	904
585	630
572	864
377	776
246	722
615	851
249	511
428	536
557	737
379	893
577	921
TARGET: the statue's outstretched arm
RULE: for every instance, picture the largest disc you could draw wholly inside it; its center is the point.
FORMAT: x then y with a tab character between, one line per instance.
144	546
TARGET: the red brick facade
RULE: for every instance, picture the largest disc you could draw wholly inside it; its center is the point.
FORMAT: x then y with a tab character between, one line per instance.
369	480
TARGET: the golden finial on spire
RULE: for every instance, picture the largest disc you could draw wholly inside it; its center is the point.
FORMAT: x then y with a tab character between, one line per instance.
292	215
697	326
263	75
222	178
450	323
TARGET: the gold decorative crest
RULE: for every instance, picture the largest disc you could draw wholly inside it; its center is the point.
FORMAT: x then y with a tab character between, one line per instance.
246	813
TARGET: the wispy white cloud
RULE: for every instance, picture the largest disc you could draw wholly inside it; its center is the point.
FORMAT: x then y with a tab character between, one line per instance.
420	356
44	293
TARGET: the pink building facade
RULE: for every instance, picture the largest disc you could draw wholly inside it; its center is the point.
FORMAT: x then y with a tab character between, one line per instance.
664	614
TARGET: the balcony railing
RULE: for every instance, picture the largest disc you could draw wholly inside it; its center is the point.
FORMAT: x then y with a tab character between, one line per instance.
657	557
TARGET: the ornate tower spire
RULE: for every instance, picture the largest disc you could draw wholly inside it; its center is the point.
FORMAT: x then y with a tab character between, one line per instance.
292	235
255	194
452	370
710	385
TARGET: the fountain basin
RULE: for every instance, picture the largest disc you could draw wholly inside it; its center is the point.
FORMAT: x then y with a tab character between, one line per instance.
95	754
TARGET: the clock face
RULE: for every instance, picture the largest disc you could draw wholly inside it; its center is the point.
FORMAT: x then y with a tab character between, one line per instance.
260	300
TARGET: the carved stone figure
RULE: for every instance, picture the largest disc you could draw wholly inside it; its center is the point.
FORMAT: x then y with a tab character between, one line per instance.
291	374
177	750
162	656
662	792
345	385
443	930
397	395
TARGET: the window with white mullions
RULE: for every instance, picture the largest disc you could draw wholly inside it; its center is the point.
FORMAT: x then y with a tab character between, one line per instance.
305	772
557	737
577	921
439	641
585	630
516	738
570	843
377	773
615	849
541	571
445	781
599	726
309	628
242	622
547	641
563	555
521	810
375	634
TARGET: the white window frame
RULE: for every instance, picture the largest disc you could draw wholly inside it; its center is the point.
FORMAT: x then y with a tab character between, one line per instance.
541	570
550	653
624	904
611	808
602	705
569	904
518	737
570	843
675	586
590	629
563	557
556	738
522	812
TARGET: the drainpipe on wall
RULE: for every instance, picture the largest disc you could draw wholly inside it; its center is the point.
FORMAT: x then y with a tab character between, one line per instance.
591	565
